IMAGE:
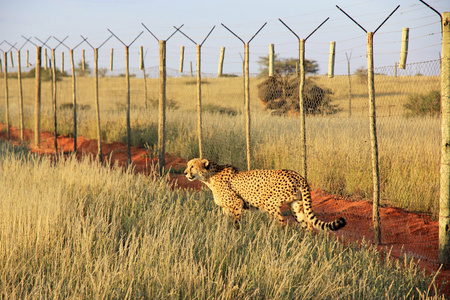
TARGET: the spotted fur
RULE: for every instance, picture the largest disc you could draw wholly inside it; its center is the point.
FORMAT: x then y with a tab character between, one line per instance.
266	190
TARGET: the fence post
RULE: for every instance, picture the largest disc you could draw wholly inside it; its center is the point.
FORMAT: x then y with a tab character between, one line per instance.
247	104
45	59
127	80
97	107
162	99
199	88
271	59
74	101
373	139
404	50
97	102
111	60
331	59
19	79
373	128
162	107
247	89
444	201
301	100
349	84
222	56
5	58
142	67
37	129
199	100
62	62
181	59
55	120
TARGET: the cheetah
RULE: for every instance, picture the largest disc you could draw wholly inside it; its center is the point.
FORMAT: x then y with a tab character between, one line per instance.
266	190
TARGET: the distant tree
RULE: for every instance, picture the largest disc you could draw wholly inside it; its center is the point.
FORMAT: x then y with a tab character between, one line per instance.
285	66
102	72
46	75
79	69
361	74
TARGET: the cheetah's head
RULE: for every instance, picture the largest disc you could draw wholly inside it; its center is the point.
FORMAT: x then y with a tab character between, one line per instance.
197	168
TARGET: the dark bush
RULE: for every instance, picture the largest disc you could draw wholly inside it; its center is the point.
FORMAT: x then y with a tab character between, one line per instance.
423	104
280	95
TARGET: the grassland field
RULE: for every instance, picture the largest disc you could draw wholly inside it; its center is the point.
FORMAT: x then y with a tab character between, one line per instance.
78	230
338	152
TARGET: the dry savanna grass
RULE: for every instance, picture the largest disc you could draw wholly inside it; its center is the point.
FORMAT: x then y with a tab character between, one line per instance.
79	230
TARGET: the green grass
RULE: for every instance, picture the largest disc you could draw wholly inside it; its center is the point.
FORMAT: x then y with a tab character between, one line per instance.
79	230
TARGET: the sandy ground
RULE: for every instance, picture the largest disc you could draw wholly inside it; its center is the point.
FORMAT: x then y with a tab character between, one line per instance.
402	232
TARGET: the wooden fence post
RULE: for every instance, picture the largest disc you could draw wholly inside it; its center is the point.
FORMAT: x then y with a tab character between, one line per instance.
247	105
162	107
199	101
62	62
349	85
97	107
373	139
331	59
127	77
444	200
55	120
181	59
301	96
271	59
404	50
74	97
111	60
45	59
142	67
222	56
37	128
83	60
19	79
5	58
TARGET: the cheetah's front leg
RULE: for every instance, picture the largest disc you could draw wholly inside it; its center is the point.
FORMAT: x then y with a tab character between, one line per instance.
232	213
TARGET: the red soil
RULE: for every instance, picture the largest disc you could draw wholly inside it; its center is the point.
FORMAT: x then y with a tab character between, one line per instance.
402	232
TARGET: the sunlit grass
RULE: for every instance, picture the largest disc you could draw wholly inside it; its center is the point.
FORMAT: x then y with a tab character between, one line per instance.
80	230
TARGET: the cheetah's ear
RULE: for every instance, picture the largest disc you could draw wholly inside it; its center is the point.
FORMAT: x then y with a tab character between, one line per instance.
205	163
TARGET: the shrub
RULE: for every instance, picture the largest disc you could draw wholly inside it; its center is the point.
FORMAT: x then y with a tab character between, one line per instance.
361	74
423	104
69	106
217	109
280	94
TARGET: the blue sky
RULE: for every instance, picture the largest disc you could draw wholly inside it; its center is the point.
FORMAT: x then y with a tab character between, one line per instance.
92	18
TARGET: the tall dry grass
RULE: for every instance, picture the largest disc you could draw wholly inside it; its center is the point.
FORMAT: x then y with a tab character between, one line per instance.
80	230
